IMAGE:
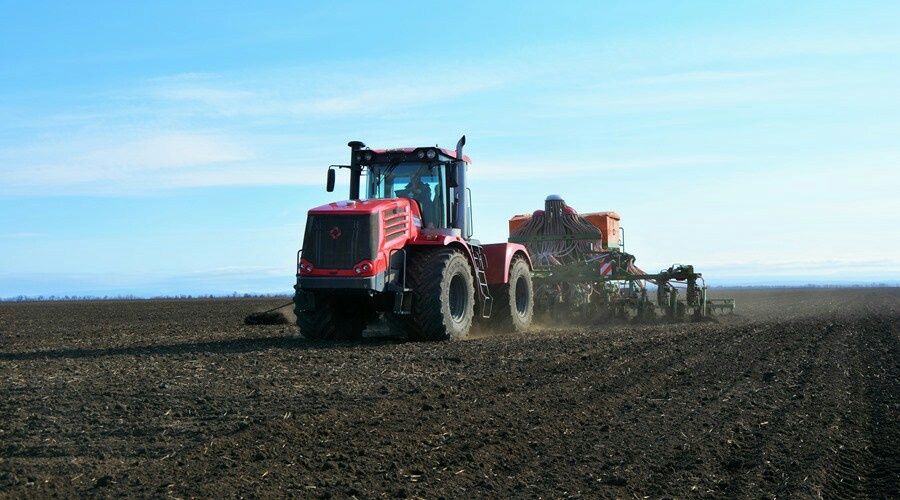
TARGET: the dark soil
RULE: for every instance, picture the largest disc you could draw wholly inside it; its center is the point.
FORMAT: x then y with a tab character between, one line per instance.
797	395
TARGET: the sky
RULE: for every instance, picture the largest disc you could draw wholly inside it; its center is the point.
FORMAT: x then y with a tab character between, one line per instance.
155	148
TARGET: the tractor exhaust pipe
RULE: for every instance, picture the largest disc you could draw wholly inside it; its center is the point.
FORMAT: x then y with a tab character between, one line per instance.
355	169
460	218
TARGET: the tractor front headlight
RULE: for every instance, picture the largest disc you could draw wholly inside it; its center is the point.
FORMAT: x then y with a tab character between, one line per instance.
431	154
305	266
364	268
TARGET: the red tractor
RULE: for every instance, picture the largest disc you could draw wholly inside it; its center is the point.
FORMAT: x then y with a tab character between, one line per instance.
404	249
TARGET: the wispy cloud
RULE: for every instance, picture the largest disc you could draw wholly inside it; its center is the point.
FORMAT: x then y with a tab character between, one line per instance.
108	165
705	76
200	129
848	268
268	126
171	150
536	170
20	235
362	89
695	90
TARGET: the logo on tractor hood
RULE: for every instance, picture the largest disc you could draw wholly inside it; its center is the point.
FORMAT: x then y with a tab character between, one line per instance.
335	232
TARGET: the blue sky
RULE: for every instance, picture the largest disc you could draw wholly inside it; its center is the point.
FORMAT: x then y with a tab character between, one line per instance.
164	148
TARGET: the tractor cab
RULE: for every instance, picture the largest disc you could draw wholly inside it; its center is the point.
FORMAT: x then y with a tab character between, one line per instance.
432	178
424	183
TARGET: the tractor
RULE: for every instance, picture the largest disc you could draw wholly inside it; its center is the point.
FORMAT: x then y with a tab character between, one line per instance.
401	248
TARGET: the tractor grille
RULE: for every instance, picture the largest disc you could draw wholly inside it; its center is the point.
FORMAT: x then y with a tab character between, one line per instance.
340	241
395	222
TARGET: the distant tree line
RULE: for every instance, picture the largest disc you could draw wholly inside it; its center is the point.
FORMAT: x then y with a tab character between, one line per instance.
63	298
816	285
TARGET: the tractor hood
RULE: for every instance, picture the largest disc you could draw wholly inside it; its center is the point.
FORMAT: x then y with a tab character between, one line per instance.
359	207
356	238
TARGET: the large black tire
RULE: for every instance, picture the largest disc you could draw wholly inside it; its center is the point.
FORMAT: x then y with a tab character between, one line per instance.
443	295
514	301
334	318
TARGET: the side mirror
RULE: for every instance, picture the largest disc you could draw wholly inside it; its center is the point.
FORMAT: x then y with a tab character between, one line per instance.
329	185
452	179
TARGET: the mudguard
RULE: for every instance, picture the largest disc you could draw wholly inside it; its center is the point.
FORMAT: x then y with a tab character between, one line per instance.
499	256
439	240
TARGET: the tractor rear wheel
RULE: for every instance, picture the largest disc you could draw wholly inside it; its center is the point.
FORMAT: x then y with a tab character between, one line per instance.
443	295
514	301
334	318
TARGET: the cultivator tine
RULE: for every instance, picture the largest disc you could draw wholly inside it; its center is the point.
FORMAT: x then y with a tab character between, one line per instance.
723	305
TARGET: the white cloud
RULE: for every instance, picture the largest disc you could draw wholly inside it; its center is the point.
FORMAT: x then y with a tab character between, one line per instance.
156	134
332	91
530	169
198	129
171	150
210	96
110	165
691	91
20	235
247	174
849	269
705	76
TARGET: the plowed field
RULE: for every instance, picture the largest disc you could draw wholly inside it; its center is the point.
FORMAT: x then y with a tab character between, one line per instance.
796	395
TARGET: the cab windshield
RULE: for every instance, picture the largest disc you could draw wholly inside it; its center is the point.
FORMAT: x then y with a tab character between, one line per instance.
421	182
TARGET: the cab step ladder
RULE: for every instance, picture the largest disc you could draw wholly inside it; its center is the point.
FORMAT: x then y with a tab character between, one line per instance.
487	301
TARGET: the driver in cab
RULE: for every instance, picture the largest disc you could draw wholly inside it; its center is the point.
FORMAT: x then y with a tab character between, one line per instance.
421	192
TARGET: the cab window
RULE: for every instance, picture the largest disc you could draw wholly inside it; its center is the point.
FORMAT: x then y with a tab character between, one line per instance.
416	181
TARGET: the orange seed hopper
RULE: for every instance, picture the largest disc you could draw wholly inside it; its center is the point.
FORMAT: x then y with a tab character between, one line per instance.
608	224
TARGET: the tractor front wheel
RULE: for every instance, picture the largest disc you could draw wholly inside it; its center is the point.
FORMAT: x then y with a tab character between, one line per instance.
443	294
333	318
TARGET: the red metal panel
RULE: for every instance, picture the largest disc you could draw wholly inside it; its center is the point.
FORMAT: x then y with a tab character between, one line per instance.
446	241
498	257
398	223
357	206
